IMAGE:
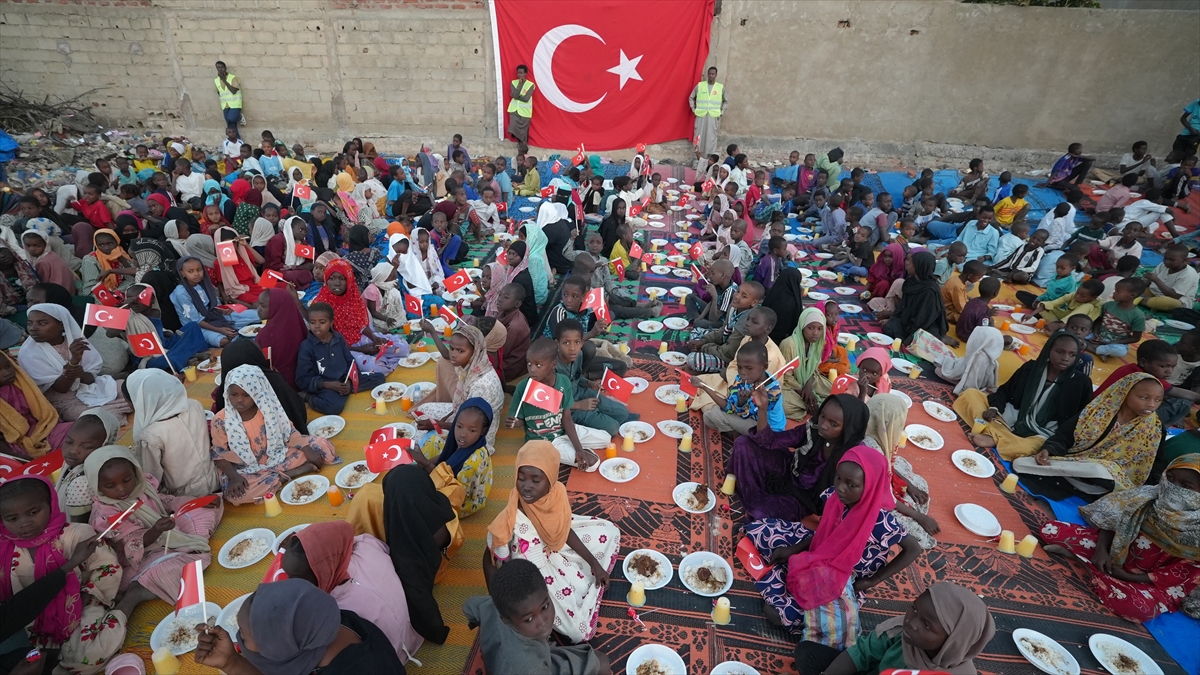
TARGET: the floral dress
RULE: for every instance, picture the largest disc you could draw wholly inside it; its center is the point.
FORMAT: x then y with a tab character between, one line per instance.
772	533
475	475
572	587
271	479
1172	578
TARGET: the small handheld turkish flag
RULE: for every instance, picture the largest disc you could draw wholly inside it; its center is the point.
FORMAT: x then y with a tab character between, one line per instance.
227	253
197	503
695	140
191	586
144	344
541	396
388	454
146	297
302	191
547	192
115	520
755	566
9	467
106	297
275	571
383	434
618	269
270	279
556	166
686	386
267	353
684	199
787	368
106	317
616	386
44	465
412	304
707	186
635	210
577	159
305	251
448	315
352	376
696	251
635	250
594	300
502	257
457	280
646	167
648	258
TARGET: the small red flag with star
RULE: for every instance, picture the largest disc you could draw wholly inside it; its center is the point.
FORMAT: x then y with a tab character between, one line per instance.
594	300
106	297
270	279
457	280
388	454
352	376
275	571
616	386
556	166
412	304
696	251
542	396
106	317
305	251
191	586
635	250
547	192
145	344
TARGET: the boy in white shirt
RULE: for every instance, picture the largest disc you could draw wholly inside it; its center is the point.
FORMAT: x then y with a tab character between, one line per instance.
1060	224
1012	241
231	147
485	207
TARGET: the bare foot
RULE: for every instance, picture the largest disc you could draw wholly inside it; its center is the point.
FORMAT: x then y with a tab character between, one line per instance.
983	441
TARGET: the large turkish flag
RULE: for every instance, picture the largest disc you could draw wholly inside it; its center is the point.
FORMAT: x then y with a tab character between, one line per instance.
608	73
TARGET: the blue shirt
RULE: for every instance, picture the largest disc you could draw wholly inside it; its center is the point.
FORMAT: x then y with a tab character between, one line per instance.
319	362
1002	192
980	243
395	190
1060	287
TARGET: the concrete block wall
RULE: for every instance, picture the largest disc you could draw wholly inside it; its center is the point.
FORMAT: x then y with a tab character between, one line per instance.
888	80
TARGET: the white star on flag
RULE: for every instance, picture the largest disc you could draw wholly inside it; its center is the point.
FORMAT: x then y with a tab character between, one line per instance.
627	69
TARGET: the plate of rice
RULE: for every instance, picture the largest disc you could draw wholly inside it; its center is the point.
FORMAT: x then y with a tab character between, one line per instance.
619	469
923	437
669	393
246	548
304	490
415	360
389	391
655	660
327	426
648	566
641	431
354	475
673	359
177	632
694	497
228	619
675	323
705	573
251	330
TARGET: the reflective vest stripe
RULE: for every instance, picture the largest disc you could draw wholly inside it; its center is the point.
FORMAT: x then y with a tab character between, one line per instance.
522	108
229	99
708	101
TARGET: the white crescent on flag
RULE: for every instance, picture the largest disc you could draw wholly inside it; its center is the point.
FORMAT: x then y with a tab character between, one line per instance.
611	383
540	395
399	451
275	576
5	467
543	67
146	343
103	315
35	468
182	589
755	562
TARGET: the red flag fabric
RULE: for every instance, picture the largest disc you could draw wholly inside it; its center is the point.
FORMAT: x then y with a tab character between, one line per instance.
547	192
227	253
752	561
106	297
787	368
145	344
305	251
541	396
696	251
115	519
275	571
502	207
302	191
556	167
593	68
383	434
594	300
578	159
197	503
44	465
448	315
146	296
635	210
270	279
9	467
707	186
106	317
387	454
686	386
353	376
635	250
267	353
191	586
618	269
412	304
684	199
616	386
457	280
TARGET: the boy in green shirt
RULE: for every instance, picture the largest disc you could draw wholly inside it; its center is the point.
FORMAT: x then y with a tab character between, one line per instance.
575	444
1121	323
1085	300
590	409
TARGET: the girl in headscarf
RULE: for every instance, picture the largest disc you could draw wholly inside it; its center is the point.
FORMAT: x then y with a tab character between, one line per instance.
196	300
427	255
170	435
872	378
782	474
463	372
279	253
888	267
16	275
255	445
77	620
944	629
539	265
63	364
153	545
816	579
239	281
518	273
265	191
212	218
371	351
921	306
248	210
885	430
263	229
285	321
464	453
238	190
360	255
389	312
214	195
786	298
95	428
611	226
29	425
357	572
247	352
107	264
574	553
806	387
149	250
1029	408
418	520
1142	545
323	261
49	265
291	626
295	202
1110	445
324	230
979	368
491	282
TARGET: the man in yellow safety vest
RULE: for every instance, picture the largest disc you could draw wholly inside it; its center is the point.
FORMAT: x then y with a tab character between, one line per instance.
520	108
708	104
229	87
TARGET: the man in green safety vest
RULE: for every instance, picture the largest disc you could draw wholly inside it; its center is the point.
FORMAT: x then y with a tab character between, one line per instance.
708	103
229	87
520	108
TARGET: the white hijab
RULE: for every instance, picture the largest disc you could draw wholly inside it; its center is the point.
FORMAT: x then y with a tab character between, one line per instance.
171	231
156	396
42	362
979	367
262	232
278	427
431	263
409	268
289	242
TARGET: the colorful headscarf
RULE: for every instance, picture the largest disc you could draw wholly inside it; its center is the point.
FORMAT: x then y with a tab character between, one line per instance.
350	315
810	354
1127	451
492	298
453	455
280	334
831	330
15	429
233	287
238	190
409	266
479	365
880	356
108	261
61	617
247	212
817	576
328	547
276	424
550	515
1166	514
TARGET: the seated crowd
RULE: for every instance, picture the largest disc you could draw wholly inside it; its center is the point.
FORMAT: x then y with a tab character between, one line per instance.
342	260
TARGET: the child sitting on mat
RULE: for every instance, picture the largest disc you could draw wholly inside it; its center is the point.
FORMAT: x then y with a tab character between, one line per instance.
590	408
323	365
753	400
717	348
1085	300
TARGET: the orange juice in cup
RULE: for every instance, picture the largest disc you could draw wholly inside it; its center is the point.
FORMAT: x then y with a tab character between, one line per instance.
447	331
406	403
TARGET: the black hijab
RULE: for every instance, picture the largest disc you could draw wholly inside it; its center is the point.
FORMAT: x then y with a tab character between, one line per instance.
608	228
786	298
920	305
413	512
209	309
241	352
163	283
855	416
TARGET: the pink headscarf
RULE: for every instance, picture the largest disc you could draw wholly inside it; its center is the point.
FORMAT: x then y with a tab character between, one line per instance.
229	280
61	616
884	385
818	576
161	199
832	330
